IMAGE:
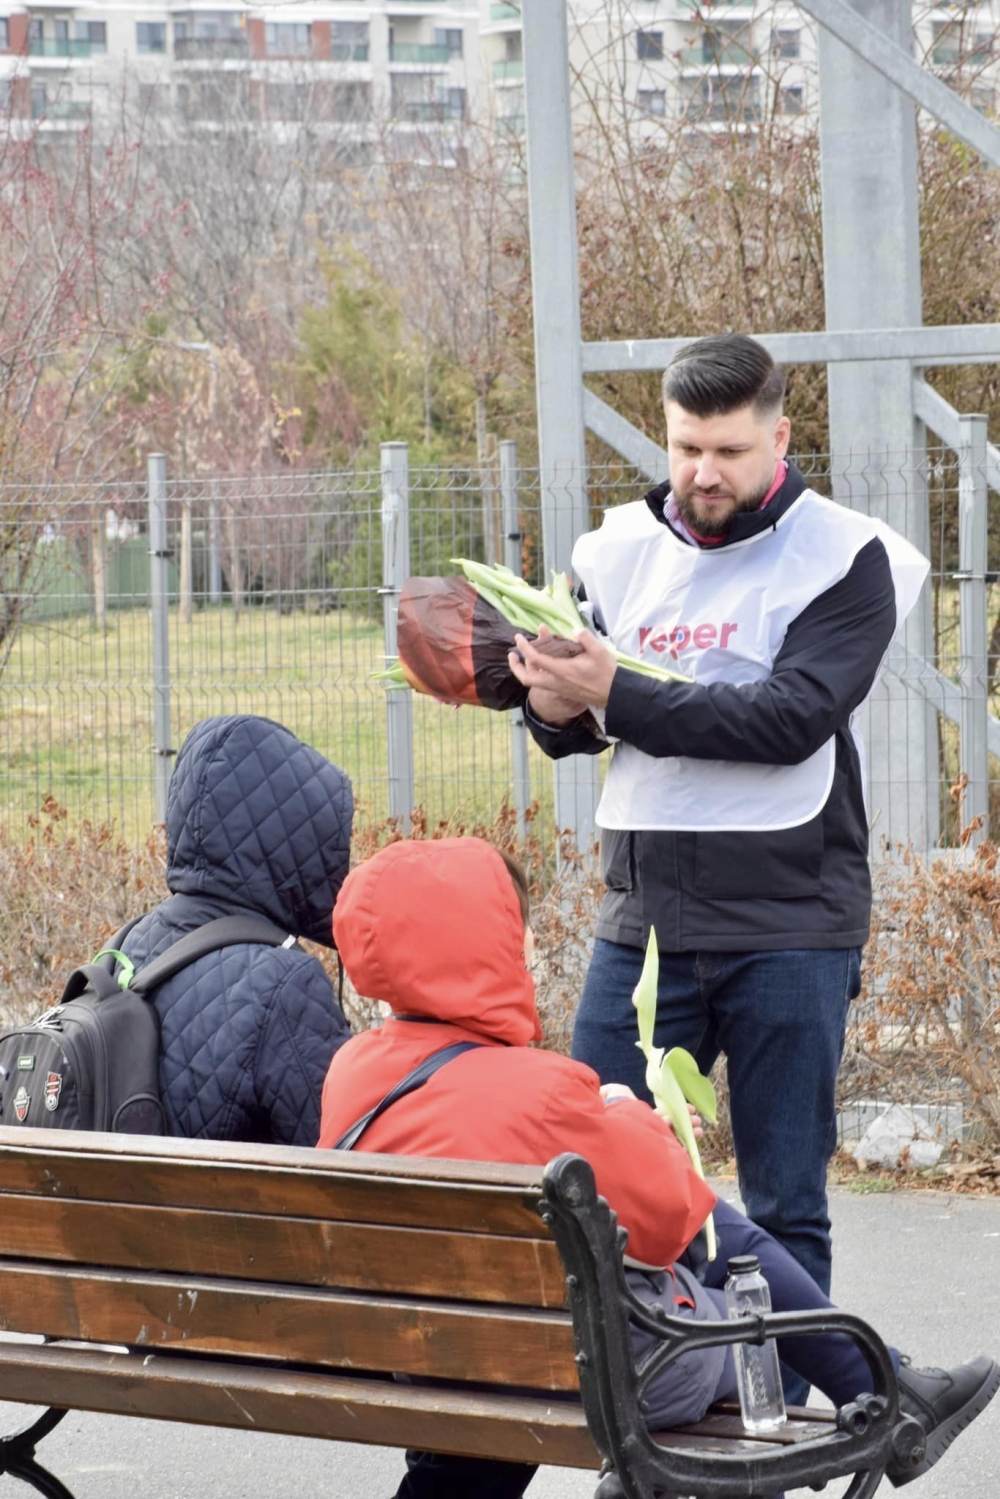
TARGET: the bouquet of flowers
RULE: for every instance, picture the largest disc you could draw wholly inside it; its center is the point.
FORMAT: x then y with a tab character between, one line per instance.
455	634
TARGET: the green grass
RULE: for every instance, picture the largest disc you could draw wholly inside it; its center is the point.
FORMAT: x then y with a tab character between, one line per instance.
76	709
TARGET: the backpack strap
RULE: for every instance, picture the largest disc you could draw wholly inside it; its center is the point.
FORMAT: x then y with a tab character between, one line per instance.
409	1084
224	931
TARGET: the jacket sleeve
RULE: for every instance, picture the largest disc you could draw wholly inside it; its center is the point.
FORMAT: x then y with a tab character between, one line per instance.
573	738
303	1028
641	1167
824	669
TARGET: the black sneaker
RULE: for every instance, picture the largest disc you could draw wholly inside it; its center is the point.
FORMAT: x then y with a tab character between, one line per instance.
944	1401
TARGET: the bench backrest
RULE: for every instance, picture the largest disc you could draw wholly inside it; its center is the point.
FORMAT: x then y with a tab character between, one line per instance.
327	1259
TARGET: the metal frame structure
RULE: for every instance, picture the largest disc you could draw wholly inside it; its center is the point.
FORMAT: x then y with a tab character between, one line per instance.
875	348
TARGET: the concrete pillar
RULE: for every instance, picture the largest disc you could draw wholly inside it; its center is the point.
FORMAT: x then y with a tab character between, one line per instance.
871	254
558	355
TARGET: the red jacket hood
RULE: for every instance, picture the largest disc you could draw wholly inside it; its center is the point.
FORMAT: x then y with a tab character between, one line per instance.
433	927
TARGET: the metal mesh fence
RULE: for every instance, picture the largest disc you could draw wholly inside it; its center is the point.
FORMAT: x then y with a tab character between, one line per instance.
274	606
274	589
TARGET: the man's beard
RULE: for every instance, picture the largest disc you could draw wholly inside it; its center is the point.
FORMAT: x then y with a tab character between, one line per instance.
704	525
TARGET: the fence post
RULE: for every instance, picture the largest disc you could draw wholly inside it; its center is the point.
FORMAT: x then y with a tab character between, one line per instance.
159	602
214	557
512	559
972	557
395	571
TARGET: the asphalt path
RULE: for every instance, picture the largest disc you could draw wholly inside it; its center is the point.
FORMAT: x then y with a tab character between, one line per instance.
924	1268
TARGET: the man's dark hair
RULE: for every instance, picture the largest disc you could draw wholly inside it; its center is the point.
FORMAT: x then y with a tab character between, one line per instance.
715	375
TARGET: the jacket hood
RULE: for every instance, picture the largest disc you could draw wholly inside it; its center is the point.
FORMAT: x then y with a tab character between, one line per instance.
745	523
433	927
257	818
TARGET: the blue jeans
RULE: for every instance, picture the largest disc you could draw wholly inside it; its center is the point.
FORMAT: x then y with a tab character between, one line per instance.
779	1019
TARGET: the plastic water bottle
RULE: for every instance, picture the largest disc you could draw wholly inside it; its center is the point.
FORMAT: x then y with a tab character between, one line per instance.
758	1377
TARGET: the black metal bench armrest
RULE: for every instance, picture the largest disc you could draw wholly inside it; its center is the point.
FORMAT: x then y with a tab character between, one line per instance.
866	1435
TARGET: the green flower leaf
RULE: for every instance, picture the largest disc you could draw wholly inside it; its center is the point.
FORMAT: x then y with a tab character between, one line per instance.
669	1075
697	1089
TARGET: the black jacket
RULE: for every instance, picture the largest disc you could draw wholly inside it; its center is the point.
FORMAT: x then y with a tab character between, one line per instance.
256	821
806	886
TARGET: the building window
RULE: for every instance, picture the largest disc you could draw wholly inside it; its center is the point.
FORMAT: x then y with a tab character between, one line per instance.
93	35
456	103
153	98
151	36
4	34
288	38
652	101
287	101
345	102
209	36
786	44
349	41
792	100
35	32
450	37
649	46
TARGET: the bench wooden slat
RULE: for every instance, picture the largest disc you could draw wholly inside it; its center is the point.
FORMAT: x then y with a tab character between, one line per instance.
327	1328
727	1426
353	1187
307	1251
517	1428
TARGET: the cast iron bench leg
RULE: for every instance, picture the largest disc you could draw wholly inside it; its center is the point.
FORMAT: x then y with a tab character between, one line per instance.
17	1456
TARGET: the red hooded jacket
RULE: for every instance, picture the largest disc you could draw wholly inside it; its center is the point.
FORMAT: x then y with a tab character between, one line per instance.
434	928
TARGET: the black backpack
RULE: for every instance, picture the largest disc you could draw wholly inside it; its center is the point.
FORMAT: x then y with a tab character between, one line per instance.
93	1061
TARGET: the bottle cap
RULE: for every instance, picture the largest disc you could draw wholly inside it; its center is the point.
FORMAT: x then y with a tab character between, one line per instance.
743	1264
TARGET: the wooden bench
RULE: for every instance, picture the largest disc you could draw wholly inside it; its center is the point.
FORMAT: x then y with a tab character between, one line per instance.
280	1290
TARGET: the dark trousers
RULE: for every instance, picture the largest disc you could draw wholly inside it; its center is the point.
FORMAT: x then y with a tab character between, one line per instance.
779	1018
832	1362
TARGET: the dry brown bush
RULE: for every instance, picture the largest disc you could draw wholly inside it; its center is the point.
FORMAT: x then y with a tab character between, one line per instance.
69	888
927	1022
925	1027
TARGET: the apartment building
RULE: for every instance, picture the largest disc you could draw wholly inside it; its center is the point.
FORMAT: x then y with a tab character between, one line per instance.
210	62
429	64
715	63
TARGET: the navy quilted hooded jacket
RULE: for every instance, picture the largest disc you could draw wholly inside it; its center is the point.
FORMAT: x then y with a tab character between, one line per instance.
256	821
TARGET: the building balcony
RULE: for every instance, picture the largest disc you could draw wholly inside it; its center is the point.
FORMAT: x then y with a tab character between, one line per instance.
421	53
63	47
952	54
62	111
514	124
505	12
508	70
346	52
722	112
212	48
733	56
426	112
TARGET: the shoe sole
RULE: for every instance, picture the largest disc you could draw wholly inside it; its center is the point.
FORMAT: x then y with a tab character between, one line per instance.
942	1437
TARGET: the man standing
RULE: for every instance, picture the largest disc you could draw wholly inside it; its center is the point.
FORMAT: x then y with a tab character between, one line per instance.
733	818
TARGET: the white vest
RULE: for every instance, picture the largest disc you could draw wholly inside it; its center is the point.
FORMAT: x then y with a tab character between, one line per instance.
721	615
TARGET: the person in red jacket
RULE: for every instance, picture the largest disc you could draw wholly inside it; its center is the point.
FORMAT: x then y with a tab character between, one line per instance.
439	931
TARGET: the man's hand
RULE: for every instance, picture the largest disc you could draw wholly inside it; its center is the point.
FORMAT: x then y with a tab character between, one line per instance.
583	681
551	707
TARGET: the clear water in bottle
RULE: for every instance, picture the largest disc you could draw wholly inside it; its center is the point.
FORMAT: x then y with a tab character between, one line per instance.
758	1375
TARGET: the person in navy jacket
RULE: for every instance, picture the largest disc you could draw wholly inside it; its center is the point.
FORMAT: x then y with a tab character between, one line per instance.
257	822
